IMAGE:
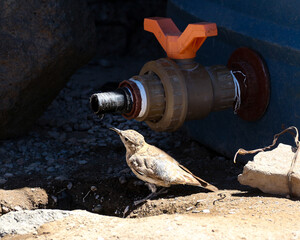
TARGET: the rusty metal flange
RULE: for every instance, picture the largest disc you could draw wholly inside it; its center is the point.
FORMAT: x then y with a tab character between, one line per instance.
252	74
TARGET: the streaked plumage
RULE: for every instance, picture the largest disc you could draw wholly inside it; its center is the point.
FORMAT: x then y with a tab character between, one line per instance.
154	166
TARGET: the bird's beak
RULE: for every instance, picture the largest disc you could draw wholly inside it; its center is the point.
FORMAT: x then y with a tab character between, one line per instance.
118	131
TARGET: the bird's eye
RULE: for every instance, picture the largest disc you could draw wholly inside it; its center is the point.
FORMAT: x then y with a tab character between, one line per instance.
126	139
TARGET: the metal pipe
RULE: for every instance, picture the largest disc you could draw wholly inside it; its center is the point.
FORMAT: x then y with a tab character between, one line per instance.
119	101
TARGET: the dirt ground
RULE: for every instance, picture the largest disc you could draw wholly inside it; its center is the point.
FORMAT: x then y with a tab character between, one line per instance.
103	185
240	215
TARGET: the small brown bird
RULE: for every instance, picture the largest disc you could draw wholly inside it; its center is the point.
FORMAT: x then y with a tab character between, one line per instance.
154	166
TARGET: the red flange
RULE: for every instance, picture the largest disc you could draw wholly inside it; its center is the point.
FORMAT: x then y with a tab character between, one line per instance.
136	99
253	77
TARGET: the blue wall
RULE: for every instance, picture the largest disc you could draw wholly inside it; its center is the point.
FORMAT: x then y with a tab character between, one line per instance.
272	28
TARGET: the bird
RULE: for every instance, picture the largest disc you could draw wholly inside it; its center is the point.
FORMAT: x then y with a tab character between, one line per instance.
154	166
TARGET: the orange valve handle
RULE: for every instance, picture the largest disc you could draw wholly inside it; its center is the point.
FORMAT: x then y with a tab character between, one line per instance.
176	44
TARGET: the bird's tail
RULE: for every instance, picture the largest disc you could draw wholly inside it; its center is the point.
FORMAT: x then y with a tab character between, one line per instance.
202	183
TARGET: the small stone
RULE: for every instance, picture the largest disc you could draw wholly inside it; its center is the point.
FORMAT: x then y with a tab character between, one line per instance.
122	179
61	178
44	154
109	170
2	180
91	131
54	198
206	211
18	208
101	144
20	161
10	165
50	160
82	162
8	175
97	208
50	169
189	208
93	188
69	186
5	209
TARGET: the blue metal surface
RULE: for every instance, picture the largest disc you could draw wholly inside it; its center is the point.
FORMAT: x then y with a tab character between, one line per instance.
271	28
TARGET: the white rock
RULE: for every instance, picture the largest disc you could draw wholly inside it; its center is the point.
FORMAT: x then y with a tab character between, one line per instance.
268	171
27	221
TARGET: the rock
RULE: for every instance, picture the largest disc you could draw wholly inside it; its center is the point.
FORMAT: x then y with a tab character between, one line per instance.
42	44
93	188
98	208
8	175
18	208
61	178
82	162
23	222
268	171
50	169
206	211
69	186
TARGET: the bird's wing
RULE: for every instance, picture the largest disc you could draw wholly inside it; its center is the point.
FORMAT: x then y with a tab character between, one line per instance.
163	170
146	168
185	176
159	170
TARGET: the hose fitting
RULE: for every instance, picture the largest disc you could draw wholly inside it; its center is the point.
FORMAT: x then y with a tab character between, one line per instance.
119	101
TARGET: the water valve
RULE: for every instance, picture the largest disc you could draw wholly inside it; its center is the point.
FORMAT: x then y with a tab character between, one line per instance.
171	90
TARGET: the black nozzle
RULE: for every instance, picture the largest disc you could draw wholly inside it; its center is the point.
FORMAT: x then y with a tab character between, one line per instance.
119	101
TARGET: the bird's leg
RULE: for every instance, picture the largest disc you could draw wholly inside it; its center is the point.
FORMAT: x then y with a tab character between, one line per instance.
153	193
152	187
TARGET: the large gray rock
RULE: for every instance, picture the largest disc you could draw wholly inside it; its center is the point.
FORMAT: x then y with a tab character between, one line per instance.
42	44
23	222
268	171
